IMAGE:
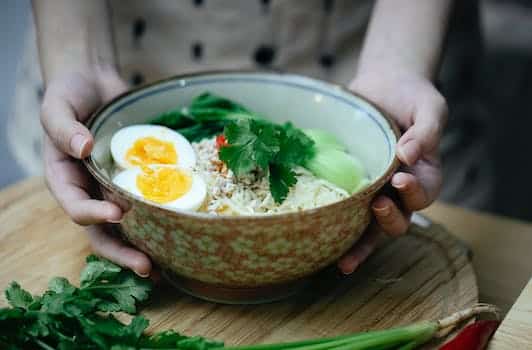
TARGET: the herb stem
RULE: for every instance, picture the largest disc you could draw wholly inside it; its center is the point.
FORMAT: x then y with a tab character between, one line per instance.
44	345
105	286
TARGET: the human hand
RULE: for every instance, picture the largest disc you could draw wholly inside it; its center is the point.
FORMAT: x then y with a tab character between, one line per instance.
420	111
68	102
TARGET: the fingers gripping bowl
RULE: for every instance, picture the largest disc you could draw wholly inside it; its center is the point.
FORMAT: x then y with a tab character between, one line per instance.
248	258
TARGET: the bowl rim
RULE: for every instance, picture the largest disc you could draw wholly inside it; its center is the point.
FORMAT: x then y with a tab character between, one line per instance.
375	185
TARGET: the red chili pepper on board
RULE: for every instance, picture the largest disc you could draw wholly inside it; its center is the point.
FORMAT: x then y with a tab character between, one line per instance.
221	141
474	337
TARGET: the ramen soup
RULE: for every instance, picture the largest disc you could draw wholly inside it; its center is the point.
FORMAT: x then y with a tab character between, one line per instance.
218	157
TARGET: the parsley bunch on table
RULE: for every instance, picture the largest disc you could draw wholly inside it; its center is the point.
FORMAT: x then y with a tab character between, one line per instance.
273	148
67	317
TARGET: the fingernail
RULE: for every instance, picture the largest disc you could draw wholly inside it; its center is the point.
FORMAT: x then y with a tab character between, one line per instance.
143	275
384	211
77	144
349	270
397	184
409	152
114	221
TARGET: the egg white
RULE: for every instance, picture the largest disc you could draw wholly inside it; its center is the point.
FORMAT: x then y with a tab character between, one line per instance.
124	139
192	200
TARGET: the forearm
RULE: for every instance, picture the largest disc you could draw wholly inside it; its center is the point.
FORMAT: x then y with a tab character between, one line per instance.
405	36
73	36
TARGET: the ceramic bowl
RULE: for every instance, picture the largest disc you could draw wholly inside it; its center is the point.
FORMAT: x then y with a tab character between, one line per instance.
246	259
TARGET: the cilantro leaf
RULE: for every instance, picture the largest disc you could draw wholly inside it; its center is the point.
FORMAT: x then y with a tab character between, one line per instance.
18	297
295	147
97	269
259	144
136	327
40	327
61	285
162	340
128	289
197	343
110	330
173	340
11	314
120	293
252	144
281	179
67	304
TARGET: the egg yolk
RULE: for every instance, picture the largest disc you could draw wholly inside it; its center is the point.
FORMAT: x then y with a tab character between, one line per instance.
149	150
163	185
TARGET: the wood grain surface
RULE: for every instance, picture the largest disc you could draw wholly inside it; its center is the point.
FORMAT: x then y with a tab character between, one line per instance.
501	250
515	332
425	274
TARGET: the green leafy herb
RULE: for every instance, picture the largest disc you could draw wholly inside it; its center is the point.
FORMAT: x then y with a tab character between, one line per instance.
281	179
18	297
67	317
252	144
97	270
295	147
206	116
259	144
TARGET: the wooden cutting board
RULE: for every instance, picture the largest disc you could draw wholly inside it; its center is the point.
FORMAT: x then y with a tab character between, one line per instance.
425	274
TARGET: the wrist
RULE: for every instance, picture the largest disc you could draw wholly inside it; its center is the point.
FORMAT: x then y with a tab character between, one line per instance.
386	76
95	73
391	68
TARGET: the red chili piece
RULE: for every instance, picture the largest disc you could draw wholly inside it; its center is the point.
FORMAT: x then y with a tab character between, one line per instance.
221	141
474	337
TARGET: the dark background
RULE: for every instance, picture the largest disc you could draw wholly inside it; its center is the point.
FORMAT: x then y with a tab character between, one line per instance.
501	81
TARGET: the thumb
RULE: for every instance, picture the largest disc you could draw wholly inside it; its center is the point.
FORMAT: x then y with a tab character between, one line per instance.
66	132
111	85
423	136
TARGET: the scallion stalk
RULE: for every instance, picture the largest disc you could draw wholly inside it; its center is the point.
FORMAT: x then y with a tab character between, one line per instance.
401	338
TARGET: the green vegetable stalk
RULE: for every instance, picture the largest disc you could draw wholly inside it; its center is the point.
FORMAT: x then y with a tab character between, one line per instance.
332	162
325	140
337	167
401	338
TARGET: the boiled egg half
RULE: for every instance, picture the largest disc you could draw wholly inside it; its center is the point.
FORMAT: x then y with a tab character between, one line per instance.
168	186
144	145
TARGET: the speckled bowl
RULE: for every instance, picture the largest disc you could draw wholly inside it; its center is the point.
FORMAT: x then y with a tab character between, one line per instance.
249	259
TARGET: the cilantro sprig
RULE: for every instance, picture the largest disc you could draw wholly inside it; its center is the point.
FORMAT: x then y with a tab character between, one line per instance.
67	317
275	149
254	143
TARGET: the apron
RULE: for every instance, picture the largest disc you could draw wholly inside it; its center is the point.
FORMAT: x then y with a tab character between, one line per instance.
160	38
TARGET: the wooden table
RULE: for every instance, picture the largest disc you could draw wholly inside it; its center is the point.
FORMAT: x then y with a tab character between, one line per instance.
502	257
516	330
501	249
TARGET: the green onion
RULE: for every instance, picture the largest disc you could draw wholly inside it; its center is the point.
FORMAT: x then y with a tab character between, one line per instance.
401	338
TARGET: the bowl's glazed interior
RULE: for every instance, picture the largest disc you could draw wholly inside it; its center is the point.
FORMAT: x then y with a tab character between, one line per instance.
249	258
